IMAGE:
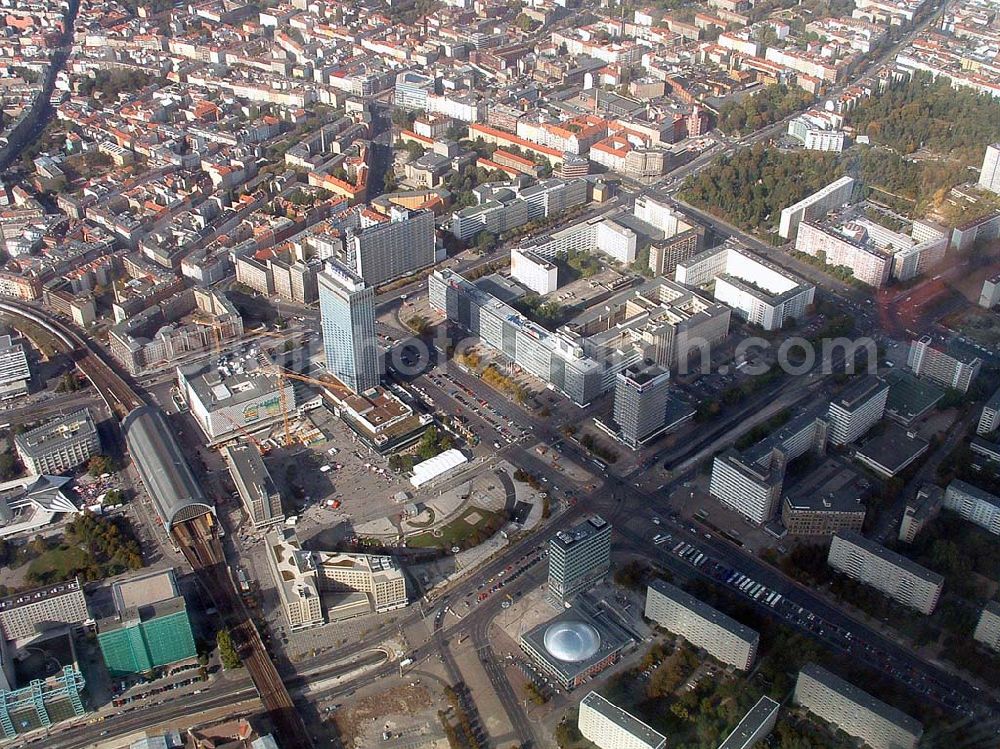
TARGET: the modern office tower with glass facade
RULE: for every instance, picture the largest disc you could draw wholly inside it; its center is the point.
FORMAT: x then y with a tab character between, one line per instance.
579	557
347	317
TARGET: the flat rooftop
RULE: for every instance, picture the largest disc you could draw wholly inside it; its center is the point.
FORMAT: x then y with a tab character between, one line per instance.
891	557
910	397
579	532
893	448
143	613
610	640
745	730
974	491
38	594
832	487
144	589
859	392
46	438
228	384
623	720
703	610
861	697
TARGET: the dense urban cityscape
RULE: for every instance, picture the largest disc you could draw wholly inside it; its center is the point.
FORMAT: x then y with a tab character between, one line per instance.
456	374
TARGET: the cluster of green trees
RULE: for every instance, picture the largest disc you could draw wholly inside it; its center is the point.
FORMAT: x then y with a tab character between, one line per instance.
547	313
101	464
227	651
671	671
12	555
761	431
632	575
486	242
766	107
505	384
578	264
110	83
535	694
68	383
462	183
300	197
113	498
413	149
419	325
593	446
433	442
958	550
152	7
927	113
751	187
10	466
528	478
464	733
93	547
525	22
403	119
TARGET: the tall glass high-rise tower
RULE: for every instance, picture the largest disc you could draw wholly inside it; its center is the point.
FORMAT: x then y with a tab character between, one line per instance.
347	317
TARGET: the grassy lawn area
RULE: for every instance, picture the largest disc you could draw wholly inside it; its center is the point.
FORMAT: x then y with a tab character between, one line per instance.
469	529
60	563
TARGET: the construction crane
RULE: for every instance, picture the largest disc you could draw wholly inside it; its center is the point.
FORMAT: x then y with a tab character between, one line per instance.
286	374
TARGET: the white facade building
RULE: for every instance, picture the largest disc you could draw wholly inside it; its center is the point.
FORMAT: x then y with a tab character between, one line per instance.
988	626
609	727
347	320
750	489
757	290
854	711
533	271
818	204
973	504
14	371
989	419
857	409
392	249
893	574
989	175
725	639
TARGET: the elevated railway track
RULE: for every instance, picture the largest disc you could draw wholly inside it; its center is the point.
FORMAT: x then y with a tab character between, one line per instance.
117	393
197	537
198	540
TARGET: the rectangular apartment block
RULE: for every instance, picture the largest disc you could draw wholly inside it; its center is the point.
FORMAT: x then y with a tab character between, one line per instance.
988	627
953	370
974	504
857	409
989	418
854	711
26	614
722	637
756	725
254	484
899	578
609	727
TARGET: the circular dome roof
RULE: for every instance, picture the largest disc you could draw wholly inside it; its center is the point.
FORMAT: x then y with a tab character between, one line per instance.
571	641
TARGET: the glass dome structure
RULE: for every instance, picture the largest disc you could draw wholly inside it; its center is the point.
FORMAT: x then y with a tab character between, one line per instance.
572	641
